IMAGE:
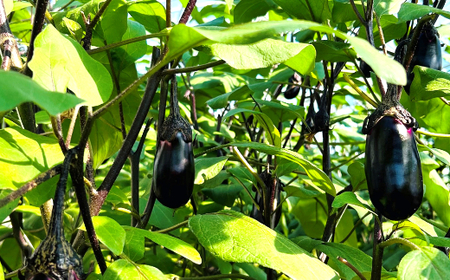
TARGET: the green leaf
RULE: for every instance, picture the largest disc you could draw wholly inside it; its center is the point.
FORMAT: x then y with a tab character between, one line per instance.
256	55
208	168
234	237
8	208
246	10
333	51
357	175
318	11
183	38
128	54
224	194
387	7
354	256
2	275
429	83
410	11
174	244
426	263
348	198
318	177
114	21
240	93
110	233
123	269
150	14
25	155
134	245
59	63
18	88
8	6
313	221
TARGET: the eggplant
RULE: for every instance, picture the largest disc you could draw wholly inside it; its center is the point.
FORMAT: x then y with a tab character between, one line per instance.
393	170
292	90
427	53
174	166
273	188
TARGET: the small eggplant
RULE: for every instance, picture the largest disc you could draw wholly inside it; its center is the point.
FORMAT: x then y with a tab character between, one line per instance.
393	171
427	53
174	167
273	190
292	90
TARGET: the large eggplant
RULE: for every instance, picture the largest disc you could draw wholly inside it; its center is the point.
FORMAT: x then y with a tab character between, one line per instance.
174	167
427	53
393	172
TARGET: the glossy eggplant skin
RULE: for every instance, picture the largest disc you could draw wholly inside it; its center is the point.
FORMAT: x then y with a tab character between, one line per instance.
393	170
174	171
428	53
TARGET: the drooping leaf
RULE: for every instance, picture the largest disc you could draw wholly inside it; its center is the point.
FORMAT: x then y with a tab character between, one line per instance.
183	38
318	177
172	243
114	21
123	269
410	11
298	56
110	233
234	237
18	88
246	10
59	63
208	168
151	14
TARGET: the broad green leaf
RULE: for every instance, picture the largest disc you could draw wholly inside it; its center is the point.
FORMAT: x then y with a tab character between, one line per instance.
224	194
234	237
429	83
110	233
272	133
20	5
437	193
282	110
246	10
2	275
128	54
357	175
318	177
221	101
163	217
114	21
354	256
313	221
59	63
410	11
18	88
344	228
333	51
134	245
208	168
438	153
25	155
318	11
387	7
42	192
426	263
174	244
427	227
8	208
298	56
348	198
123	269
183	38
343	11
150	14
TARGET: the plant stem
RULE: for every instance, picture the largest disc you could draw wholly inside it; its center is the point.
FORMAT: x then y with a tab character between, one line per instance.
377	258
125	42
398	240
344	261
31	185
174	227
187	11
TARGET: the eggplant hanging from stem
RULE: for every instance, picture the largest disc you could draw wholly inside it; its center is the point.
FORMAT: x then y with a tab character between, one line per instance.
393	169
55	258
174	167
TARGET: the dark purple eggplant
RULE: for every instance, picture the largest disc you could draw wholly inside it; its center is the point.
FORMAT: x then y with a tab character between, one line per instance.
55	257
393	171
292	90
273	189
427	53
174	167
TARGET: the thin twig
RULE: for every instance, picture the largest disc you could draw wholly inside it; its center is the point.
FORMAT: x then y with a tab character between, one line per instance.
193	68
344	261
187	11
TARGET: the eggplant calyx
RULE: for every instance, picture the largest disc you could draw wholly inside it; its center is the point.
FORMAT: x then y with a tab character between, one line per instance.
173	124
390	107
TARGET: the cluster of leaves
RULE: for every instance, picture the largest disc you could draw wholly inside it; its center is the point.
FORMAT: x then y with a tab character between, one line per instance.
235	108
